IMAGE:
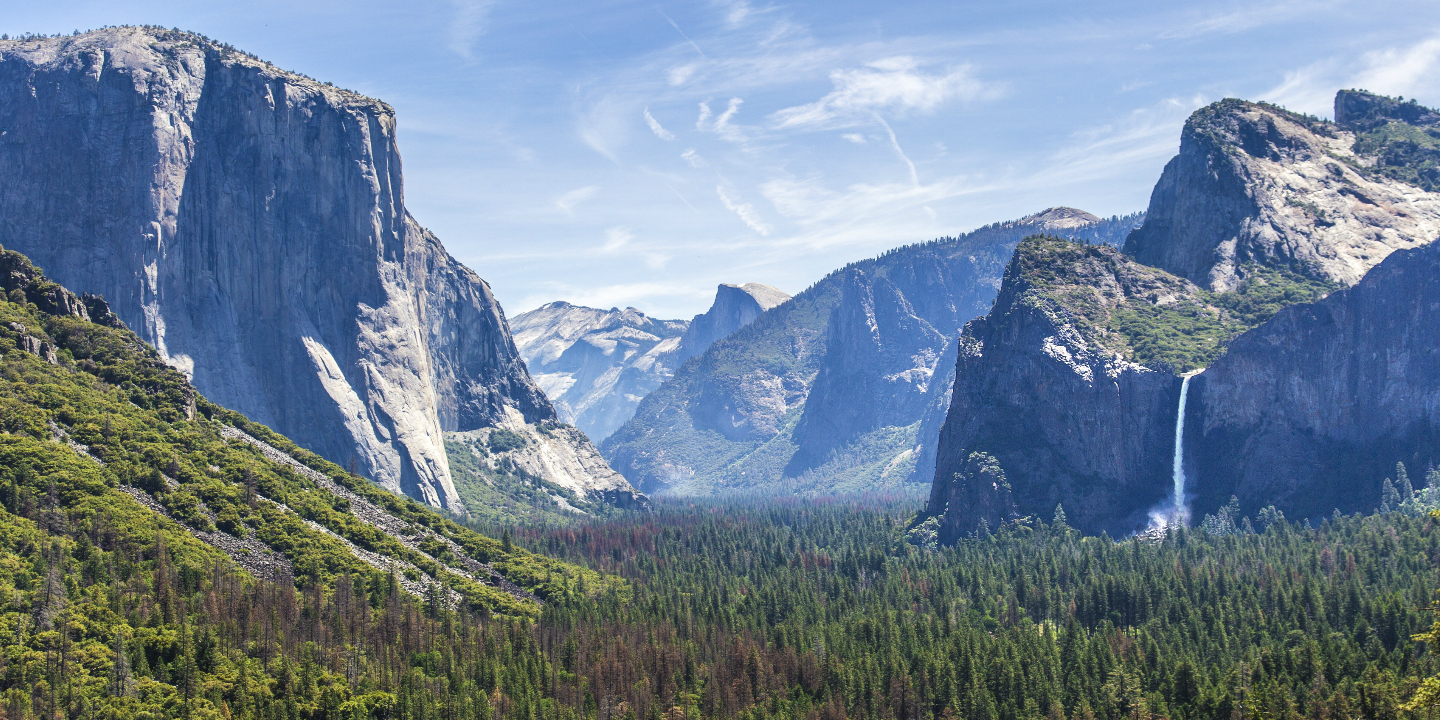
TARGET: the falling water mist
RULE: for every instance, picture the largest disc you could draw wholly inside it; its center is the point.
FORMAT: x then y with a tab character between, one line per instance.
1179	469
1176	512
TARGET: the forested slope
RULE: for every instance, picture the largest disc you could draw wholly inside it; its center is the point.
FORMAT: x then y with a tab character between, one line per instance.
162	556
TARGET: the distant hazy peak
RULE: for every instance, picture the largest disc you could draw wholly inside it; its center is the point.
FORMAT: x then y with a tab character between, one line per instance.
1060	218
765	295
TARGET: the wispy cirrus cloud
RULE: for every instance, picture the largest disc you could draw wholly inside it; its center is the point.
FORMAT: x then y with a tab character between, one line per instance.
896	84
569	200
657	128
1244	18
1399	71
744	210
1404	70
468	22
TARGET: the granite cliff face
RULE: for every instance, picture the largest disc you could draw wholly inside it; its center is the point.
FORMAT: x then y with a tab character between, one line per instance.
250	224
1311	410
735	307
1047	386
1071	383
826	391
1254	184
597	365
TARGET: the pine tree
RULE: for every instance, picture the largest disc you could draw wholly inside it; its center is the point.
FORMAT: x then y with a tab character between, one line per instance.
120	669
1402	483
1059	521
1389	497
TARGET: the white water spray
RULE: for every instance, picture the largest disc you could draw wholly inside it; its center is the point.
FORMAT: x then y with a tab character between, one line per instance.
1179	471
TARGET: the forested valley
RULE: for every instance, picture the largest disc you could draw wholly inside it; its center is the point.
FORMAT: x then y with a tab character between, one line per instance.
744	611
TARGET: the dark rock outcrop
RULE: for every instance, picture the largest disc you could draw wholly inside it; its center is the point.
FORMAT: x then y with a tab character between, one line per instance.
1361	111
879	359
250	224
1310	411
1043	385
981	495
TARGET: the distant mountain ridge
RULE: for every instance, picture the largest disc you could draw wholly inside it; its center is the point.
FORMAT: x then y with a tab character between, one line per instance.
829	390
250	224
597	365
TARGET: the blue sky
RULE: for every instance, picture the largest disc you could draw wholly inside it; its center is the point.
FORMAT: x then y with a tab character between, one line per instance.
639	153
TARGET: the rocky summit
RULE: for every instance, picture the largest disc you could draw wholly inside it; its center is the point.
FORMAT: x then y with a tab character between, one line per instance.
1067	392
250	224
839	388
597	365
1256	185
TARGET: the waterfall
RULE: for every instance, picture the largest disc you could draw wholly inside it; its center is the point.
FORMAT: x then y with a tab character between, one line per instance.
1180	445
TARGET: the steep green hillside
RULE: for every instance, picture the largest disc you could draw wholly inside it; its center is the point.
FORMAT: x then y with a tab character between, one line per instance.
152	543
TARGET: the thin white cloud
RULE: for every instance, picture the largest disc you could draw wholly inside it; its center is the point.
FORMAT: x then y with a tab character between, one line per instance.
467	25
721	125
1403	71
744	210
863	207
657	128
616	239
1389	71
1146	137
723	128
679	75
896	84
736	12
682	32
1309	89
856	138
1241	20
569	200
606	124
895	143
693	158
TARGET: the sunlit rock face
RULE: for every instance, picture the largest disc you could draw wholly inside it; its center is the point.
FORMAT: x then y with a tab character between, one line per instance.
596	365
1254	184
250	223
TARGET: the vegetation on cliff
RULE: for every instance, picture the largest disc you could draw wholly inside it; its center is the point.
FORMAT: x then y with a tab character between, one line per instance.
1147	315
